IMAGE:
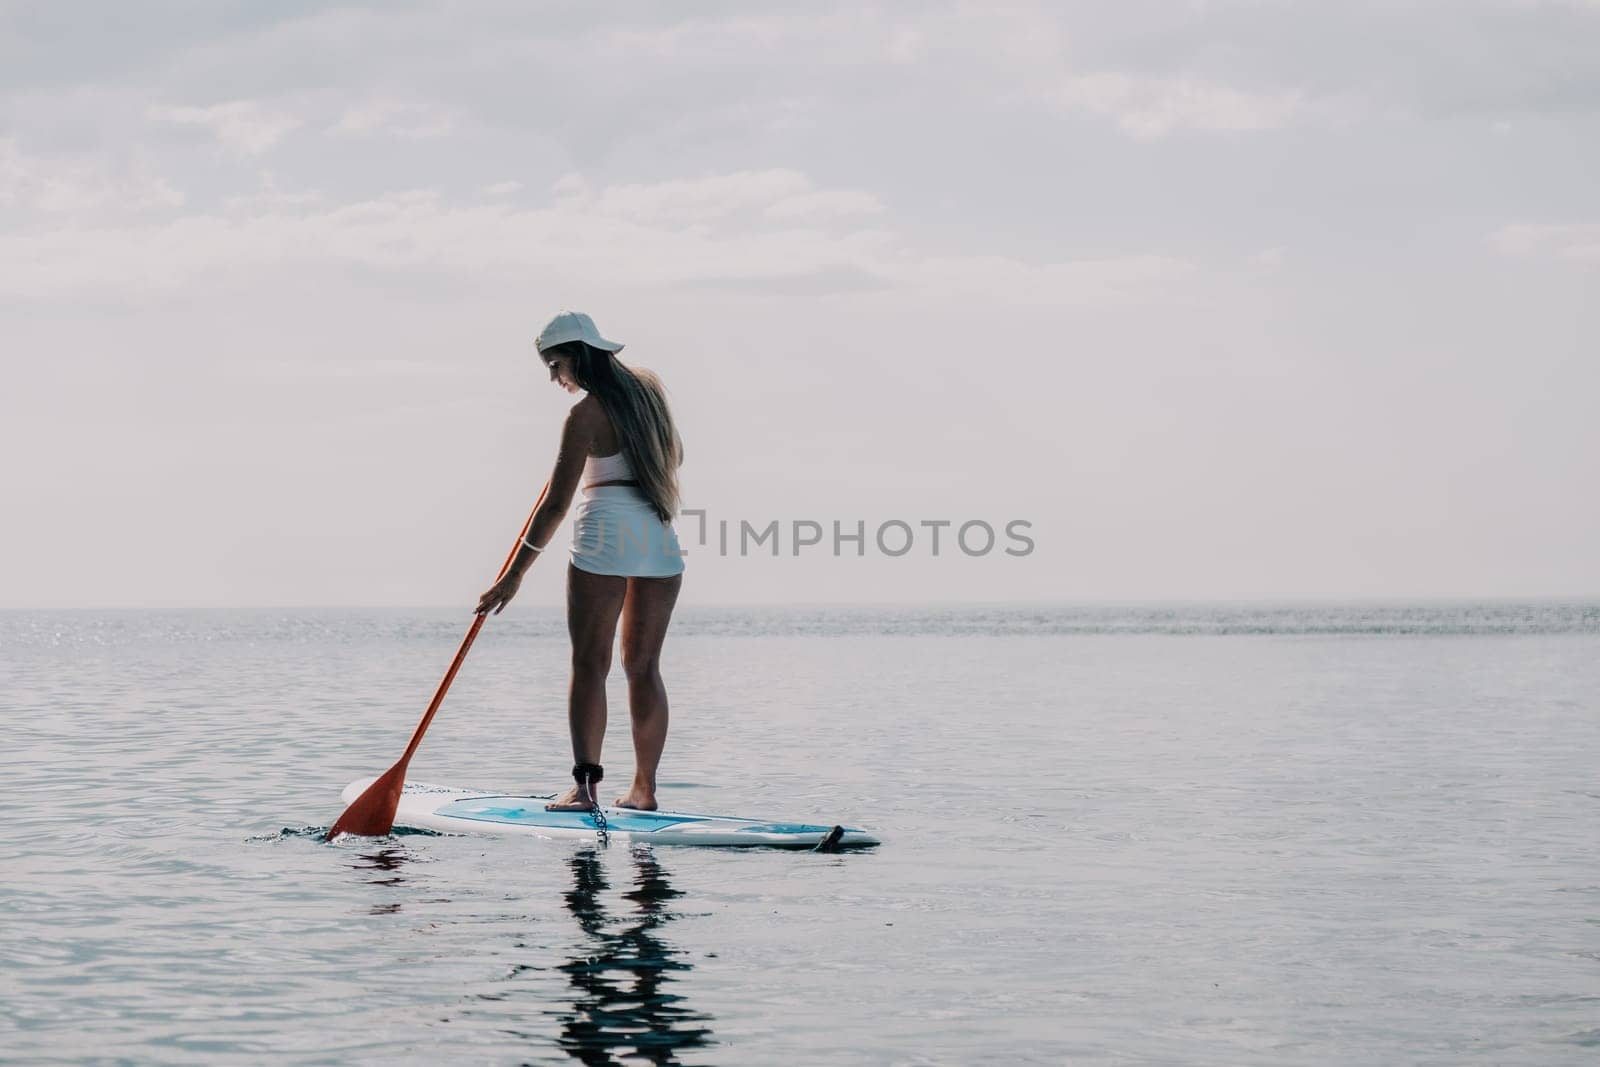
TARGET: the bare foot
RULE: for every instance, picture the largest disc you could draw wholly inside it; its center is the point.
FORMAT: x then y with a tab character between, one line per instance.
578	798
638	799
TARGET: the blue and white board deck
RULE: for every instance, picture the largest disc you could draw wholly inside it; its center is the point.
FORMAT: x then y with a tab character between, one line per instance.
474	811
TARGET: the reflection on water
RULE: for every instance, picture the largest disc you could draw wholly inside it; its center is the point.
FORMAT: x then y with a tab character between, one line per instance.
618	1006
621	1004
385	865
384	861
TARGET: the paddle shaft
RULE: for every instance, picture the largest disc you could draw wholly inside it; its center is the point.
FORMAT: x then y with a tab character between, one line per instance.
466	642
372	813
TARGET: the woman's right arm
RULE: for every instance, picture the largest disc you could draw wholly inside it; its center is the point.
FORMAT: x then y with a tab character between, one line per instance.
576	435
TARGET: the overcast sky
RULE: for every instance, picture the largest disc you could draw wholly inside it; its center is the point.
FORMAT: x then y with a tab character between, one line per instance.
1224	299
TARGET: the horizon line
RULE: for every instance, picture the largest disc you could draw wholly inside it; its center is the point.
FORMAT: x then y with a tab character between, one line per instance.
1278	600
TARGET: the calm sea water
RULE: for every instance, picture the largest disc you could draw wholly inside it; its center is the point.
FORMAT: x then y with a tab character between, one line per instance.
1120	835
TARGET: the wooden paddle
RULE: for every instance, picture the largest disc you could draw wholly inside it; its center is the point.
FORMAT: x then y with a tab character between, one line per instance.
372	813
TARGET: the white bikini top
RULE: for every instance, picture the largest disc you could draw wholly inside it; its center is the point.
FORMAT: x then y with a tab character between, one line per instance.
610	468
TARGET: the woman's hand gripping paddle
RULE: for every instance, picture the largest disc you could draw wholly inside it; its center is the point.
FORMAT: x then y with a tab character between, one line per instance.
372	813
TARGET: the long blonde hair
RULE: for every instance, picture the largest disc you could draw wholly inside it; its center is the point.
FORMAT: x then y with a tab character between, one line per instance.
636	402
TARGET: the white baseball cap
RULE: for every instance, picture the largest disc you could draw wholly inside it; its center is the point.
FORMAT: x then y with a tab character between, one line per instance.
573	326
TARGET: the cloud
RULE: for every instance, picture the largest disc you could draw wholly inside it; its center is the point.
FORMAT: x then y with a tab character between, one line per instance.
55	186
244	126
741	228
1575	242
1362	60
1268	259
396	117
269	196
780	194
1148	108
1017	51
823	204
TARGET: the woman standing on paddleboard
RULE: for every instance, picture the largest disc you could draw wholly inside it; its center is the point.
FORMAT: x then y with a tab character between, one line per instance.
620	444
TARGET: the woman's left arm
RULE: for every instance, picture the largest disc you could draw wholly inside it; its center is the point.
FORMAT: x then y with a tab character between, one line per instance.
576	435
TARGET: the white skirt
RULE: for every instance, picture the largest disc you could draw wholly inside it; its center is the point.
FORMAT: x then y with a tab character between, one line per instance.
616	531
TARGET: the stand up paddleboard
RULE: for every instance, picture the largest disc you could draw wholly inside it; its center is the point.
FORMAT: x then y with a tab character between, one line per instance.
471	811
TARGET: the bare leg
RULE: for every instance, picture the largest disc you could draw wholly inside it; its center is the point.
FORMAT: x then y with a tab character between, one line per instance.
645	615
593	603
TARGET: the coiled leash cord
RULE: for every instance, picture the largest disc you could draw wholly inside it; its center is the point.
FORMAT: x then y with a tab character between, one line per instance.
590	774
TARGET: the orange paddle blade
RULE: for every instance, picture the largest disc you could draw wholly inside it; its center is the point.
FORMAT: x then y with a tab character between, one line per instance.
372	813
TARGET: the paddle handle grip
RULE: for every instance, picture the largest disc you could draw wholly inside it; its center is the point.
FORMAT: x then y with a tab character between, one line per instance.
466	642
